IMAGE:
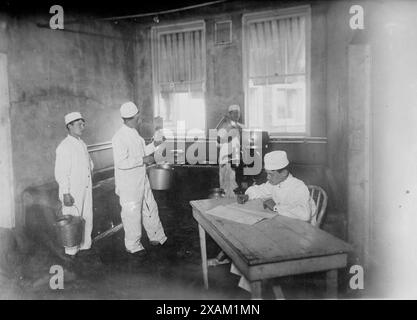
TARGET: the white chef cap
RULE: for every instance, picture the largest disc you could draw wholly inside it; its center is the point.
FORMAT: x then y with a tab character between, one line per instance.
276	160
234	107
128	110
72	116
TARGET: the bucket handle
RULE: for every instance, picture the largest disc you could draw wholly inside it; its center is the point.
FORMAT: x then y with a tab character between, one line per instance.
59	211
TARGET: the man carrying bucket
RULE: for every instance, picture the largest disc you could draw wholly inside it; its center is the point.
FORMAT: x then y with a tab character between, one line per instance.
73	170
131	156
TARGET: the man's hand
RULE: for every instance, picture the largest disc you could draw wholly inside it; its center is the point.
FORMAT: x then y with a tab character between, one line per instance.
158	138
242	198
270	204
159	142
148	160
68	200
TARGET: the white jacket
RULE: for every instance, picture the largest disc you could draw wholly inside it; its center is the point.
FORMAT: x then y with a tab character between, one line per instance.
129	170
230	148
73	167
291	197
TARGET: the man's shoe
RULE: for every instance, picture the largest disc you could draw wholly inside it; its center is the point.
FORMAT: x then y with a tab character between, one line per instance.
137	255
136	260
154	243
71	257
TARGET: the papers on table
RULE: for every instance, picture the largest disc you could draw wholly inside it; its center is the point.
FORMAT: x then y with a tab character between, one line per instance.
249	213
243	282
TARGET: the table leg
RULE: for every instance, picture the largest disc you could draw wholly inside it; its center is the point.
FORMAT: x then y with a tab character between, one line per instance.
202	234
331	284
256	289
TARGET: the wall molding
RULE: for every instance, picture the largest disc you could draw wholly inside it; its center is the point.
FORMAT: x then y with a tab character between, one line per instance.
308	140
99	146
290	139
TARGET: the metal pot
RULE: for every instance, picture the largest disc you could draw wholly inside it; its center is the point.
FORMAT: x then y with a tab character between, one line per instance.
216	193
161	176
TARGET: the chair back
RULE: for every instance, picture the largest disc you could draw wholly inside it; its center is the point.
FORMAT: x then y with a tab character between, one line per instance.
319	196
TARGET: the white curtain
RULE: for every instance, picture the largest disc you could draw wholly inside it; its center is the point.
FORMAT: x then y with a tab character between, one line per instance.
181	78
277	74
277	49
181	61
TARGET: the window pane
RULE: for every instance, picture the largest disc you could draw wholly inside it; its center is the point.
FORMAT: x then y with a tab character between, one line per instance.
278	107
276	69
180	75
183	106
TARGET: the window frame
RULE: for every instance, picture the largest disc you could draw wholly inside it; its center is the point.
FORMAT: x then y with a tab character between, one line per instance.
156	32
216	23
304	10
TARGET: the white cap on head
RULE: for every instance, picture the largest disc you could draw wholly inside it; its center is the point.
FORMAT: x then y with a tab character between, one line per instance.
234	107
70	117
276	160
128	110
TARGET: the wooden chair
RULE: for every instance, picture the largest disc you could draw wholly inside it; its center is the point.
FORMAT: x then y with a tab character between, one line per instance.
319	196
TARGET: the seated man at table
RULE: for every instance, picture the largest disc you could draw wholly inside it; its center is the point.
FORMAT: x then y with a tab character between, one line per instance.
290	196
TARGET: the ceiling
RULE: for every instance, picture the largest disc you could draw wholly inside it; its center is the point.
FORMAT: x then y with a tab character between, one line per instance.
102	8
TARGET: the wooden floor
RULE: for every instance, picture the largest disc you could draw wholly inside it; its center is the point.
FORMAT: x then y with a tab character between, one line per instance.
173	272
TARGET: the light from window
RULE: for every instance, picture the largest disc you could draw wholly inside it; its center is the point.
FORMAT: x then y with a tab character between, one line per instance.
276	73
179	75
183	106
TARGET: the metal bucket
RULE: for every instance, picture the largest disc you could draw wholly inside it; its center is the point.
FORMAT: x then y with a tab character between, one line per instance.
70	230
161	177
216	193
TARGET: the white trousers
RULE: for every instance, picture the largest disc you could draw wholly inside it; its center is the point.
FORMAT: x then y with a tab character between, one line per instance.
227	179
134	213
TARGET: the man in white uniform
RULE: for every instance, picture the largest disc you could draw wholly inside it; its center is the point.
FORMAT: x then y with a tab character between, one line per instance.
229	151
131	156
290	195
73	171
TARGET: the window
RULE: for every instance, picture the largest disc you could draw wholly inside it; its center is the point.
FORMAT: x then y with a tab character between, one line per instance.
179	74
276	70
223	32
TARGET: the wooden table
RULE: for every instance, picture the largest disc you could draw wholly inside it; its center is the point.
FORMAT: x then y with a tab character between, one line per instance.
271	248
